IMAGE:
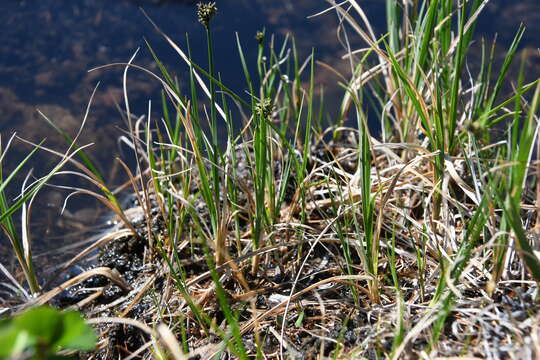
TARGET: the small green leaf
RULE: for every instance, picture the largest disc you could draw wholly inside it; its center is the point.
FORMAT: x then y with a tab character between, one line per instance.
13	341
300	319
44	323
52	329
77	335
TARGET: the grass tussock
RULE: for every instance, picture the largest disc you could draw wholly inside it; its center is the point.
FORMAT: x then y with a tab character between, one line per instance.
287	238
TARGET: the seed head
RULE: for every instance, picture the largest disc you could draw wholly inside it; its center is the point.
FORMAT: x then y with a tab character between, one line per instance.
259	37
264	108
205	12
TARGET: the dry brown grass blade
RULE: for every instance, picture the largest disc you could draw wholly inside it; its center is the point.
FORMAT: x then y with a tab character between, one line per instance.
390	191
275	310
88	175
205	352
429	317
332	70
103	199
112	274
74	162
104	239
10	277
169	340
245	257
163	333
89	299
144	201
285	343
125	321
140	293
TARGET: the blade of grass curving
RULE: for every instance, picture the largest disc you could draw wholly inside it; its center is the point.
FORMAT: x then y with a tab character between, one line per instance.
88	175
19	288
6	221
82	155
84	158
37	185
25	233
163	69
14	172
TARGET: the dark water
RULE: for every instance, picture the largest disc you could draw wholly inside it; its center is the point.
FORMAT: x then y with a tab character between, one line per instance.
48	46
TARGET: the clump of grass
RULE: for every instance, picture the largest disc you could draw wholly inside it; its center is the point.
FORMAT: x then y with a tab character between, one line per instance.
21	242
285	241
